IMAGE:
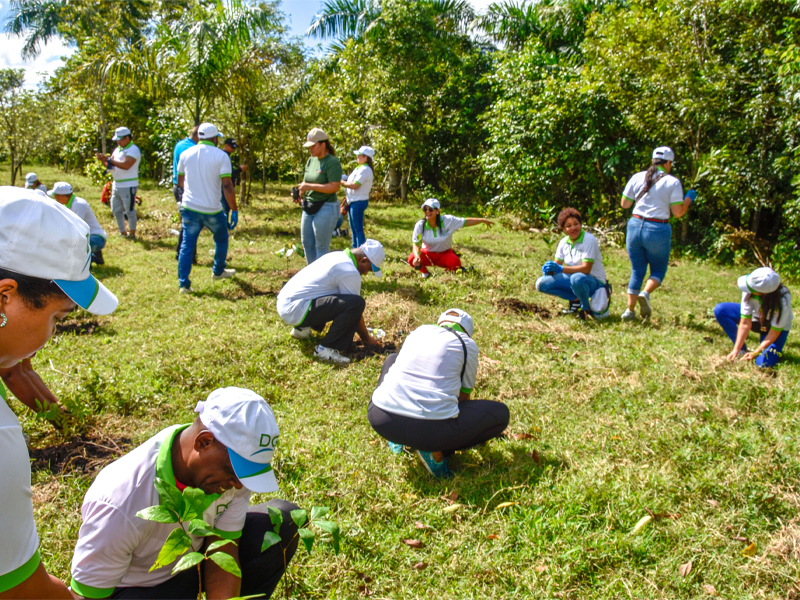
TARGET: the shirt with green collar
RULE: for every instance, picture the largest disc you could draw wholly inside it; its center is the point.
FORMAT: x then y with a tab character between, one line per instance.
115	548
655	204
781	320
585	249
125	178
434	239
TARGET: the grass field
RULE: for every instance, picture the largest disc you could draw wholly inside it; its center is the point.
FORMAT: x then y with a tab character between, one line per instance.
608	420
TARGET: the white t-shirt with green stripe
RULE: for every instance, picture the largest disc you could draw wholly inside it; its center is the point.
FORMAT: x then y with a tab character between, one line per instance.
656	203
361	174
751	309
433	239
203	166
585	249
126	178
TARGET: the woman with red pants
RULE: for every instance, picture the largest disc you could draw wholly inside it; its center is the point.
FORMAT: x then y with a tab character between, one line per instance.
435	234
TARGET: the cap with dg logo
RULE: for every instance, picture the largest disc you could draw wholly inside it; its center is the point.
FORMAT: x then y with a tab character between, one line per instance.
243	422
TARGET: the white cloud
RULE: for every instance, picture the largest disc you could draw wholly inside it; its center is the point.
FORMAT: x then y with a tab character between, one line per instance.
49	59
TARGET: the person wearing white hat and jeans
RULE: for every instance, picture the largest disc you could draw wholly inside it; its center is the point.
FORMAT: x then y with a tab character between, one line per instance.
44	274
766	306
227	453
32	183
329	291
63	193
204	173
357	186
423	396
124	165
655	195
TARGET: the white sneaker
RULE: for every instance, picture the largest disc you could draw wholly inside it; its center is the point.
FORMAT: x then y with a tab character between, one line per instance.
184	290
226	274
628	315
301	333
331	355
644	305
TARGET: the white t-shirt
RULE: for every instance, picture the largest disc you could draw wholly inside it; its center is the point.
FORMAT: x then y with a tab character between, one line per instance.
751	309
203	167
115	548
585	249
126	178
39	188
81	208
332	273
363	175
19	554
434	240
655	204
425	380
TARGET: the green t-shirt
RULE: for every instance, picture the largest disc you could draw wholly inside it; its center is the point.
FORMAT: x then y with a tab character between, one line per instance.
327	170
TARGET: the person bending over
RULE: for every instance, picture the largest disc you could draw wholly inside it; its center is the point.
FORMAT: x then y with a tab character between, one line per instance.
423	396
329	291
226	452
62	192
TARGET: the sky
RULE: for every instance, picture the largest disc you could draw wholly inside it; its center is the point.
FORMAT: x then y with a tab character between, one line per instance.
298	12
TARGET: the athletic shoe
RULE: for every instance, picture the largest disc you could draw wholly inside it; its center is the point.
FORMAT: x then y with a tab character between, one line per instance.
301	333
184	290
572	308
330	355
628	315
582	315
226	274
344	233
644	305
426	275
97	258
396	448
440	470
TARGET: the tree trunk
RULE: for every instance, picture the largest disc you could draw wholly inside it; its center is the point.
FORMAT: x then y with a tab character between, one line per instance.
13	167
197	109
685	230
264	172
756	220
393	181
101	109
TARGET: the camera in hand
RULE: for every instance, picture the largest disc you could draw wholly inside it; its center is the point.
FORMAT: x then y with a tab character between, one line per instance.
295	193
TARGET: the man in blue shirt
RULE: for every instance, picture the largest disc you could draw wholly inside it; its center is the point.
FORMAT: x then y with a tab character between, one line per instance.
180	148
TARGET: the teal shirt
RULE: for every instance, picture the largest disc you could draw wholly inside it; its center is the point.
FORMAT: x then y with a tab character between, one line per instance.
327	170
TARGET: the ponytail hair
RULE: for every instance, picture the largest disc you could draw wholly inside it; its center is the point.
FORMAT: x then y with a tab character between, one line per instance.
649	175
771	303
369	162
329	148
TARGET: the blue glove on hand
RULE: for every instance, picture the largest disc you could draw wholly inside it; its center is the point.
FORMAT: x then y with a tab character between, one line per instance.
234	219
691	195
551	268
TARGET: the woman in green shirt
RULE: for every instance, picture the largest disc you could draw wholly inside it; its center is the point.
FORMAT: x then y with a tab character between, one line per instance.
322	179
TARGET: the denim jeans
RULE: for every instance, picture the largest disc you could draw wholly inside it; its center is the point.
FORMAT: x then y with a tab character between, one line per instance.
193	223
570	287
356	217
648	244
97	242
728	315
316	231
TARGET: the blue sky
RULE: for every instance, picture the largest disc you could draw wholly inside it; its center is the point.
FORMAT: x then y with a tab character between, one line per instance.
299	14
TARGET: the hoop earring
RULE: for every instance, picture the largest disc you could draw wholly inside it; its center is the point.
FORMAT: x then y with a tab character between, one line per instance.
4	319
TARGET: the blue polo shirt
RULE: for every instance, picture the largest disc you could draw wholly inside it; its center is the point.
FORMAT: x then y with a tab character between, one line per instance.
180	148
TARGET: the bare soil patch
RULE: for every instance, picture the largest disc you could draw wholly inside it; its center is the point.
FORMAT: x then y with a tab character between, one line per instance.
84	454
358	351
516	305
77	327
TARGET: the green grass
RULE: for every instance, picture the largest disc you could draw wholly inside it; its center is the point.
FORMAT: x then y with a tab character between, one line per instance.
623	417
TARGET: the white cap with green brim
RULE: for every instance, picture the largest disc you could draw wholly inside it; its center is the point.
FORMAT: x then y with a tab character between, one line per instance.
762	281
460	318
41	238
120	132
374	251
243	422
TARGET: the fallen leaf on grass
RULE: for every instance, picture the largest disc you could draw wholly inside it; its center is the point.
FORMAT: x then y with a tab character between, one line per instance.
364	591
739	538
490	360
685	569
493	537
575	354
536	458
505	504
653	358
451	499
420	525
639	527
363	577
522	436
552	347
658	516
710	340
713	503
413	543
710	589
750	550
420	566
541	569
452	508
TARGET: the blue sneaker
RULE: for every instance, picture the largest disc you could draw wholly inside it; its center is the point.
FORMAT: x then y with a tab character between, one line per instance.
396	448
440	470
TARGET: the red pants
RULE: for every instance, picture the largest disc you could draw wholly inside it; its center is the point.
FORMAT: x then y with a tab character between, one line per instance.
448	260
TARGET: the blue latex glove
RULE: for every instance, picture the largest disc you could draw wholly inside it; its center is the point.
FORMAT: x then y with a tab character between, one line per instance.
234	219
691	195
551	268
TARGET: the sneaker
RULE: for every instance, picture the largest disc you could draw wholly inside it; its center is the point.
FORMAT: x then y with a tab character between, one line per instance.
396	448
331	355
582	315
344	233
97	258
572	308
439	470
644	305
184	290
628	315
426	275
301	333
226	274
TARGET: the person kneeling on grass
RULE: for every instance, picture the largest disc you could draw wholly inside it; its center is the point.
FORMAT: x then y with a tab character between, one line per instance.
422	399
769	304
62	192
226	453
328	290
577	272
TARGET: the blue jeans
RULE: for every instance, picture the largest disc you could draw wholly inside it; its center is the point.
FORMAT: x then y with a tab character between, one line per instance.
728	315
356	217
97	242
648	244
570	287
316	231
193	223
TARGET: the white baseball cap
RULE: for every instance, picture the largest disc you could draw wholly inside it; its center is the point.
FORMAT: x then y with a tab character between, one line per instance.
664	153
41	238
62	188
432	202
460	317
207	131
243	422
366	151
31	178
120	132
763	280
375	253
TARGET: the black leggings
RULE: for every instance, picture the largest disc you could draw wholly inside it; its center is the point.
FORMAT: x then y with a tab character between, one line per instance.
261	571
478	421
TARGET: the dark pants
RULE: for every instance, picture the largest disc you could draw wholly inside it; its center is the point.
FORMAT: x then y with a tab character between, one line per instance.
261	571
343	312
478	421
